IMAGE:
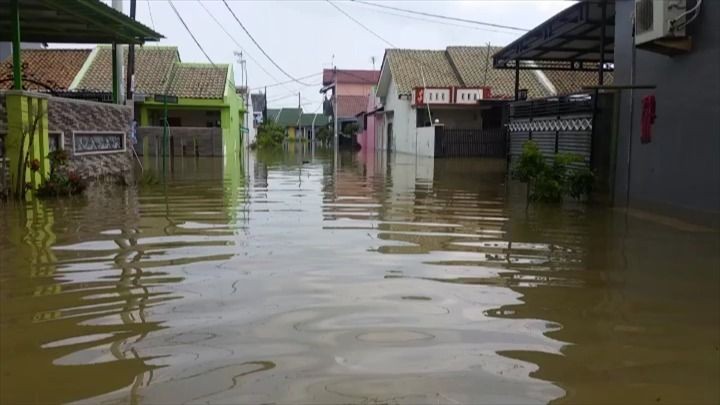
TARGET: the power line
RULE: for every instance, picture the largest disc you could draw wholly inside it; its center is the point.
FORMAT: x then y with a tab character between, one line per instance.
190	32
359	23
290	81
436	21
236	42
374	33
152	20
444	17
258	45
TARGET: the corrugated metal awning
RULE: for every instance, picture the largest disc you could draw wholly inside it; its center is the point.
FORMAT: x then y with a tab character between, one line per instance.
570	40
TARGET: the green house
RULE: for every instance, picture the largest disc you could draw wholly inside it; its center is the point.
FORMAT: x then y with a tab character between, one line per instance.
201	95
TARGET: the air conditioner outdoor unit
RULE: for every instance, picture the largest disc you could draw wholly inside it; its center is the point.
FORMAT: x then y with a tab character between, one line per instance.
659	19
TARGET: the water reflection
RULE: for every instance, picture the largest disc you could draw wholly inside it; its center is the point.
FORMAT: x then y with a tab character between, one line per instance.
301	277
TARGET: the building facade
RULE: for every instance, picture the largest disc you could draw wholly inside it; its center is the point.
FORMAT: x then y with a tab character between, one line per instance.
679	168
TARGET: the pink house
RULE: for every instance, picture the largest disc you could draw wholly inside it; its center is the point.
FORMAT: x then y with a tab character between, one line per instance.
371	122
351	94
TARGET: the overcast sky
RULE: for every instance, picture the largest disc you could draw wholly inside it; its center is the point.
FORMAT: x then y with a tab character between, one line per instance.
304	37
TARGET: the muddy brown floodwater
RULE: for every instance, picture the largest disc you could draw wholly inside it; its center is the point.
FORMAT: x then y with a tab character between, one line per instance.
388	281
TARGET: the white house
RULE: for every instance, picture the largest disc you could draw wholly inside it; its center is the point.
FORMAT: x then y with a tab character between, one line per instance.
455	89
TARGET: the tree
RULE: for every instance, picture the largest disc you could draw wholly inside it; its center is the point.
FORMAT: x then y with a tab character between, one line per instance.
270	135
323	135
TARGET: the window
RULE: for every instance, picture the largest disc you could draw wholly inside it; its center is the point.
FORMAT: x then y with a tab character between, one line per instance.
98	142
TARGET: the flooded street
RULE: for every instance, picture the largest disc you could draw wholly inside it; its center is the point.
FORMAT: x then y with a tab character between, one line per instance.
293	278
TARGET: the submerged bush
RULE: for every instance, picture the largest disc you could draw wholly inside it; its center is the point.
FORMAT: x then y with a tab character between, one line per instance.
323	135
552	182
61	181
270	135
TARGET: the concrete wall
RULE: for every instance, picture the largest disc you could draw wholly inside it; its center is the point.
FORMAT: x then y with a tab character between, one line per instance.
402	116
68	115
680	168
425	141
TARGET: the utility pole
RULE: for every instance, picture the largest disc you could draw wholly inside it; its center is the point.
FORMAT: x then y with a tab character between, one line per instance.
299	105
117	62
335	105
130	88
246	95
265	106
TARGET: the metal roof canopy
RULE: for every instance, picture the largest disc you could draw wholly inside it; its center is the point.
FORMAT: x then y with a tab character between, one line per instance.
570	40
73	21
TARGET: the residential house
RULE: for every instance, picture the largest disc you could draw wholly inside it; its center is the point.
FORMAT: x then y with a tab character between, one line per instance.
679	168
659	141
94	134
45	70
258	107
370	122
456	89
288	118
249	127
204	111
310	123
350	88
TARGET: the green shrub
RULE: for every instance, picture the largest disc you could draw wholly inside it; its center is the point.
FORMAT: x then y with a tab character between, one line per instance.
323	135
552	182
61	180
351	129
270	135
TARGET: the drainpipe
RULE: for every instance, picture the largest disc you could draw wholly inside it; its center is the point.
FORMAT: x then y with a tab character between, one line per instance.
15	17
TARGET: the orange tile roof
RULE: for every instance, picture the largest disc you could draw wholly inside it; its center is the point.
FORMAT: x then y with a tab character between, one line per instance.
56	68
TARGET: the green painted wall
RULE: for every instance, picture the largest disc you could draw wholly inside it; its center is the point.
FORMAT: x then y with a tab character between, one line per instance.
232	111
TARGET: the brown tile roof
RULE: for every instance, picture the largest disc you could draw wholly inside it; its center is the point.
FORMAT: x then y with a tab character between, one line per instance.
198	80
152	69
472	66
350	76
412	67
573	82
56	68
472	63
350	106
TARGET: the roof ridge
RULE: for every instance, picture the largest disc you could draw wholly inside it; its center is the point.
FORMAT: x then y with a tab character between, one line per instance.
454	68
204	65
164	47
57	50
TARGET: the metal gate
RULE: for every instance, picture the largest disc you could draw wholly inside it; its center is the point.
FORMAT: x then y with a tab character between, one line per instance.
556	125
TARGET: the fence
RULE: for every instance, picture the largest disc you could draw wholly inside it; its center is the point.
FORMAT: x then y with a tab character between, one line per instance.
556	125
184	141
470	142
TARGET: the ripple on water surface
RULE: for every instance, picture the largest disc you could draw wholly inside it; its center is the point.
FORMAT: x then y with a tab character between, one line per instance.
384	280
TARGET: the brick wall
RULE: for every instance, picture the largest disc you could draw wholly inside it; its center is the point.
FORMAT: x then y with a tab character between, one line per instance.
68	115
183	140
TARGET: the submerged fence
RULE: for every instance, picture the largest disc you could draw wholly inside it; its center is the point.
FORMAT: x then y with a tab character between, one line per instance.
470	142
